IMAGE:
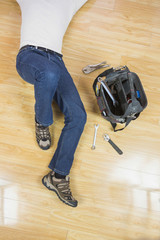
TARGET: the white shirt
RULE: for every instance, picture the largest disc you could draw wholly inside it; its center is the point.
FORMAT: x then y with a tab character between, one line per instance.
44	22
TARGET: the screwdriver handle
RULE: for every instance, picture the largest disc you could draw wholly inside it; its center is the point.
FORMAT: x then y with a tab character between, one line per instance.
115	147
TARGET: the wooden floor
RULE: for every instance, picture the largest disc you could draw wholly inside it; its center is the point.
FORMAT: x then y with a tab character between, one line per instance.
119	196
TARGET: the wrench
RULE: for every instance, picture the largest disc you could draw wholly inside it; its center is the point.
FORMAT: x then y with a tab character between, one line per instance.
95	134
107	138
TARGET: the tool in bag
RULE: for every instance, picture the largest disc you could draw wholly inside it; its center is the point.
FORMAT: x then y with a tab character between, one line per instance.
120	96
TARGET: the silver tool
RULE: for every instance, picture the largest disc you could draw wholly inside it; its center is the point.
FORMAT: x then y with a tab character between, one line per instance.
107	138
95	134
108	91
119	68
90	68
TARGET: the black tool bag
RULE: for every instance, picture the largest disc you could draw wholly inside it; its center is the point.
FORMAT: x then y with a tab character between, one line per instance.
120	96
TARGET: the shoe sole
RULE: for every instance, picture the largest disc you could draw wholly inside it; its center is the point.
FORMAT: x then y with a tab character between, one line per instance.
52	188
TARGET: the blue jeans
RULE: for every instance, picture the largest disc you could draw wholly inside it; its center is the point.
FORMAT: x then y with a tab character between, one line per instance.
51	80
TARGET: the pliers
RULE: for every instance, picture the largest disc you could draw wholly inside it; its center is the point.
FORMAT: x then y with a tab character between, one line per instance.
90	68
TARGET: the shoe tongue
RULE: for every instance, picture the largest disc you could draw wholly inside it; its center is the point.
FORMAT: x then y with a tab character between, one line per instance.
42	127
57	179
61	179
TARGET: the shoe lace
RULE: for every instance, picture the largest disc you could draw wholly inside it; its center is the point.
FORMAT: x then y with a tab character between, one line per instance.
66	190
43	131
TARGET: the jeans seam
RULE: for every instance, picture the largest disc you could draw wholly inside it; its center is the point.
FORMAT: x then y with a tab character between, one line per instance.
62	141
70	113
44	124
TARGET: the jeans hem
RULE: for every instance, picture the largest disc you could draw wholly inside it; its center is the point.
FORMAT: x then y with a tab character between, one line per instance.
57	171
44	124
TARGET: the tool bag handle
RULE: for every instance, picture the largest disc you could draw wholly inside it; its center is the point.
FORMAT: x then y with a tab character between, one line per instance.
120	129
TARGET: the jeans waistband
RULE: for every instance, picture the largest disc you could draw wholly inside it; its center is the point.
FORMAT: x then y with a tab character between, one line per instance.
41	48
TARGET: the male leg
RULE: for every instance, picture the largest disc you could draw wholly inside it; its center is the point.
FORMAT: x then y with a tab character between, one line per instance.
34	67
71	105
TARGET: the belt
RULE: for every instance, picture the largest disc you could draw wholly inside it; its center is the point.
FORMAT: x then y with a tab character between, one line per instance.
41	48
